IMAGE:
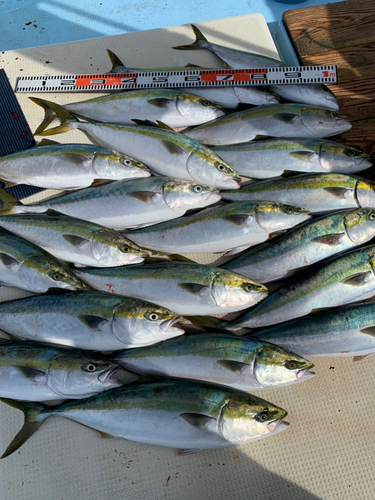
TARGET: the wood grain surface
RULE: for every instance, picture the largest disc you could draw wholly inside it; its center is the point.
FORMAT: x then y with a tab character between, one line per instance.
342	34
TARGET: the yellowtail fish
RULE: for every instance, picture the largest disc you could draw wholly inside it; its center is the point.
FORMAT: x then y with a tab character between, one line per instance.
165	152
177	414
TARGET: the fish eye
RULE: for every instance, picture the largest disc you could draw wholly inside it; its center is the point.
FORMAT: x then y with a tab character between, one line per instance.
206	103
289	210
350	152
153	316
56	276
127	163
262	417
90	367
332	114
221	167
291	365
125	249
198	189
247	287
372	216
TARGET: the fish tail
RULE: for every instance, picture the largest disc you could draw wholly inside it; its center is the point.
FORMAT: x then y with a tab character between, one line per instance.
200	39
52	111
8	203
33	420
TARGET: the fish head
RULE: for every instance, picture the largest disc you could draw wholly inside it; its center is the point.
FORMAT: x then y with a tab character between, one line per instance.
244	418
334	157
360	225
111	249
203	165
42	272
196	110
182	195
318	95
274	366
248	95
77	375
324	122
144	324
116	166
272	217
365	192
231	290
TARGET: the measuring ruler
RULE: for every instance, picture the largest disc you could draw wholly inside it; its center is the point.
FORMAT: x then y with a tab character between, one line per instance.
183	78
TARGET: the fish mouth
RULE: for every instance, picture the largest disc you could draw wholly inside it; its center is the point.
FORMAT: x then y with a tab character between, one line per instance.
233	182
213	197
362	162
277	425
109	375
304	374
303	217
168	326
135	259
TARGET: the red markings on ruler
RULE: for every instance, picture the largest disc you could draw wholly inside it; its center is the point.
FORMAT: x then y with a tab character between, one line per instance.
104	80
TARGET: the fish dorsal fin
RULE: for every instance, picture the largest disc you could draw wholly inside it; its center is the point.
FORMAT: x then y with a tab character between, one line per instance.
198	420
193	288
237	220
329	239
143	196
188	451
173	148
232	366
306	156
91	321
164	125
338	192
115	60
358	279
287	118
76	241
359	358
236	250
8	261
160	102
146	123
370	330
191	65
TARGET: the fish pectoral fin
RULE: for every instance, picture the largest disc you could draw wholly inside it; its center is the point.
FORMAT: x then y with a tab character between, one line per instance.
286	117
369	331
232	366
237	220
193	288
91	321
337	192
188	451
359	358
358	279
28	372
160	102
76	241
143	196
197	420
8	261
173	148
306	156
329	239
74	158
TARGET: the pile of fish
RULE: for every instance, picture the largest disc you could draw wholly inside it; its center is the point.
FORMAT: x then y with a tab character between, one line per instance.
137	342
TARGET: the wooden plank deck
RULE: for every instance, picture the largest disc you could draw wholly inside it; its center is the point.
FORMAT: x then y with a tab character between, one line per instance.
342	34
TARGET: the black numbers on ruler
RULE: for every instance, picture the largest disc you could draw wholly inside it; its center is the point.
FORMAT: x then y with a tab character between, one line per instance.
160	79
193	78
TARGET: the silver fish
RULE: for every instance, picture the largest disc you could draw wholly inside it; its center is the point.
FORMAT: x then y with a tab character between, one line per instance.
91	320
318	193
124	204
306	244
31	371
185	288
275	157
176	414
165	152
343	331
345	279
240	363
68	166
279	120
314	94
233	228
29	267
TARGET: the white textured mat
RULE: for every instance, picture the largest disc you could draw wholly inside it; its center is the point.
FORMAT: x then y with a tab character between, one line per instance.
327	452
